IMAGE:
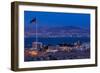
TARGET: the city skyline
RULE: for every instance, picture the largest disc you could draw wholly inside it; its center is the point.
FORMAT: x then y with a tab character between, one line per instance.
56	36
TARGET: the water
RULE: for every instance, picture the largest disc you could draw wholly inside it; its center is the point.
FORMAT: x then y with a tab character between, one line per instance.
54	41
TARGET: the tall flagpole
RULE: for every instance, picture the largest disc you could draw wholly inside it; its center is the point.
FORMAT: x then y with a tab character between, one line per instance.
36	33
34	21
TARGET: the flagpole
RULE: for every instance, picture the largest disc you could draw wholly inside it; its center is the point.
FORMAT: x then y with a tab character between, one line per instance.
36	34
33	21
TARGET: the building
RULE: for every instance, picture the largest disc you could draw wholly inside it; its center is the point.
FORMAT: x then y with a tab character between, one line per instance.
52	49
36	45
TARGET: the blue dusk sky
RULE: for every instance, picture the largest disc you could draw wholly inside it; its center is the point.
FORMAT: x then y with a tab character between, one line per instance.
54	19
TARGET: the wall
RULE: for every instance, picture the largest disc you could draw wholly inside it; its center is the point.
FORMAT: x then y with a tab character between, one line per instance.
5	40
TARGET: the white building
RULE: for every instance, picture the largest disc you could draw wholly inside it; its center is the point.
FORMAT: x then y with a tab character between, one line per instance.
36	45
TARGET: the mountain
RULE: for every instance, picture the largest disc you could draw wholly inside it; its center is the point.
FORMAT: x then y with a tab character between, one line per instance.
45	31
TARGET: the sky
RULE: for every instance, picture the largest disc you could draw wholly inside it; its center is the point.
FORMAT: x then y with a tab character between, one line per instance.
54	19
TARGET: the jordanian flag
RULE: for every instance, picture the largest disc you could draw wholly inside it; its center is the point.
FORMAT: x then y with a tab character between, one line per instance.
33	20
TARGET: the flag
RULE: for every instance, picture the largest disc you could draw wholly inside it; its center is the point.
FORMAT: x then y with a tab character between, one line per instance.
33	20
